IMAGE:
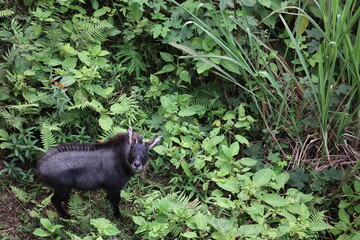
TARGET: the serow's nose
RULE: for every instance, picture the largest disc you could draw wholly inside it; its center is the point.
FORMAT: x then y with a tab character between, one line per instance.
137	164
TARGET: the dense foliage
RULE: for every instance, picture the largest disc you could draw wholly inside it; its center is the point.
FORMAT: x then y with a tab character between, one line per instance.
257	101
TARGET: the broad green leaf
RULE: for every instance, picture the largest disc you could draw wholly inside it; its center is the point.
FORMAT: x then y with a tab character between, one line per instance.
282	179
29	72
187	111
184	75
266	3
21	65
169	103
249	162
167	57
41	233
106	123
303	22
166	68
69	63
230	185
344	216
263	176
242	140
104	226
201	221
251	230
67	80
100	12
3	134
357	186
84	58
53	62
319	226
185	167
138	220
189	235
274	200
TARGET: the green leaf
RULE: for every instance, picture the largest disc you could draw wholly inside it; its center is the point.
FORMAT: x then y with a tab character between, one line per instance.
41	233
184	75
251	230
106	122
266	3
242	140
274	200
100	12
167	57
263	176
187	111
249	162
319	226
282	179
303	22
119	108
166	68
84	58
139	220
189	235
231	185
69	63
185	167
169	103
344	216
104	226
357	186
200	220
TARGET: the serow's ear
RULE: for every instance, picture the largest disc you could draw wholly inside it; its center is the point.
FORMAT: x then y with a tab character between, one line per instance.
150	144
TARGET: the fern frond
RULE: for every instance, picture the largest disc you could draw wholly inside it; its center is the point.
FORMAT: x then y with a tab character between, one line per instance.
10	54
131	58
20	194
45	202
12	119
130	109
47	138
25	108
6	13
89	29
114	130
77	206
194	205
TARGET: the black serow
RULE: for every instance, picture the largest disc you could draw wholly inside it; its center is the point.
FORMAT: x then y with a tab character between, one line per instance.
93	166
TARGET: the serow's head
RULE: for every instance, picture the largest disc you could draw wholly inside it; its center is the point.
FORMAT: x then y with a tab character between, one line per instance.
138	155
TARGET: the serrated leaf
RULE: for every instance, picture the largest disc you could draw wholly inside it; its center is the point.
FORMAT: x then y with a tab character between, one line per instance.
118	108
69	63
251	230
274	200
230	185
344	216
200	220
263	176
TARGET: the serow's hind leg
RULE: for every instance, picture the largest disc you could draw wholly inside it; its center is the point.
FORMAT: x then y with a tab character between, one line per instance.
61	195
114	198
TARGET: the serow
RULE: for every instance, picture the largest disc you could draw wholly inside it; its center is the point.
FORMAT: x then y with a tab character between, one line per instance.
93	166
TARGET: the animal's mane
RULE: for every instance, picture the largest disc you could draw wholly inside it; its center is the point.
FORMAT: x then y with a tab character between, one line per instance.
116	140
